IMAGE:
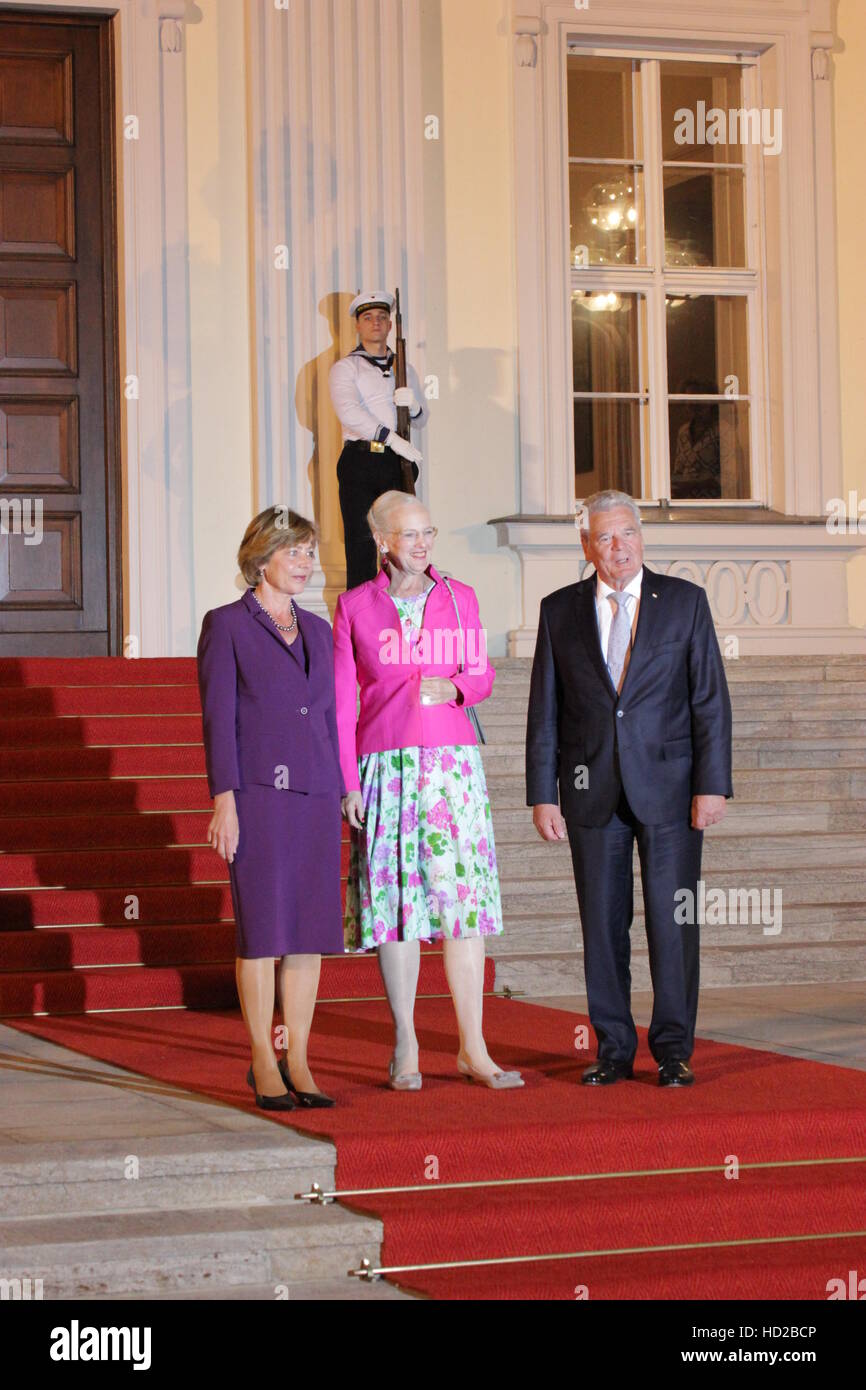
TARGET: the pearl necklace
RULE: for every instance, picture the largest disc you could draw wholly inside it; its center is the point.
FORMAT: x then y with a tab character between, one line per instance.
280	626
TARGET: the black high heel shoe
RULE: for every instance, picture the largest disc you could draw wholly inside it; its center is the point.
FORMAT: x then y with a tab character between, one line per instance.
285	1102
310	1100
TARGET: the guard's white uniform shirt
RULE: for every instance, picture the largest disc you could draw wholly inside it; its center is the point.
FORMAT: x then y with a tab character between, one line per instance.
363	397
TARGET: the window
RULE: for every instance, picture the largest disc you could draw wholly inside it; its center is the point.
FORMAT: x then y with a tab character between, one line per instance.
665	247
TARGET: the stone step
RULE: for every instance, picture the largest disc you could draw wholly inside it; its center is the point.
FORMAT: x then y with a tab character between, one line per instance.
745	668
514	825
843	754
801	887
797	668
818	697
507	760
776	694
559	931
187	1250
845	669
536	975
776	730
338	1290
800	802
176	1171
798	786
834	732
738	850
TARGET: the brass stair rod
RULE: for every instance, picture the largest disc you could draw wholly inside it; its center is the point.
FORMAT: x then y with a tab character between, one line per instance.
168	1008
371	1272
319	1197
506	993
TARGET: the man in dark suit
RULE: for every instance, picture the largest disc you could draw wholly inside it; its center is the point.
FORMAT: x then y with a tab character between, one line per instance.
629	732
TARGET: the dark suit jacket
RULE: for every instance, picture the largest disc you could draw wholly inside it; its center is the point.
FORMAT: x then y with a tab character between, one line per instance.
261	708
664	739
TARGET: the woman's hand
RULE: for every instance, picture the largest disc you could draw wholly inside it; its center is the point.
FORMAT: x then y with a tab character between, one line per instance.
353	809
223	832
436	690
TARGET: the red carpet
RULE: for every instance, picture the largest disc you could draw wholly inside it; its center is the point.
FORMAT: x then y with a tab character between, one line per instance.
111	900
755	1105
110	897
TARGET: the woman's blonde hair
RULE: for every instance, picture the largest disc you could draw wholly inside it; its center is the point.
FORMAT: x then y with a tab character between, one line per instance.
269	532
381	514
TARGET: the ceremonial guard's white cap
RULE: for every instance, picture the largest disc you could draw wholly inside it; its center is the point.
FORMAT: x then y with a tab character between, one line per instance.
371	299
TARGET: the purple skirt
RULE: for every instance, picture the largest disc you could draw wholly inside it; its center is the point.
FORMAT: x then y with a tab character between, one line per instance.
286	875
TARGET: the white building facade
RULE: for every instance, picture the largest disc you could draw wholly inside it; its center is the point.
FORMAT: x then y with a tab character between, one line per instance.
589	301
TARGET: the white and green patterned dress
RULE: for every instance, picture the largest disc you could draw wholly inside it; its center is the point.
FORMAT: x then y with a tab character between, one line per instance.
424	865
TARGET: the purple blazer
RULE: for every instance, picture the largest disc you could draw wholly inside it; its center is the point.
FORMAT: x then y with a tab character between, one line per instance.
261	710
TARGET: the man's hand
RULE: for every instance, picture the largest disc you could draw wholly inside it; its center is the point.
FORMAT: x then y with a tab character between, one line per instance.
437	690
223	832
707	810
403	448
405	396
353	809
548	821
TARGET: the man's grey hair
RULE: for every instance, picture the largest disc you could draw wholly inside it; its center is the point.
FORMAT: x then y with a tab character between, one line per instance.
606	502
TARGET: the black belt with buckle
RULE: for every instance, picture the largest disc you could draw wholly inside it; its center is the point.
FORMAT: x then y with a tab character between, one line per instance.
371	446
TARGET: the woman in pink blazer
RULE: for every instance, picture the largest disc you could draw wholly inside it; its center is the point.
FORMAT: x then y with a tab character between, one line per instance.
423	859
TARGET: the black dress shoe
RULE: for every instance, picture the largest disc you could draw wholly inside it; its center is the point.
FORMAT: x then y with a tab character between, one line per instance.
311	1100
283	1102
673	1071
605	1072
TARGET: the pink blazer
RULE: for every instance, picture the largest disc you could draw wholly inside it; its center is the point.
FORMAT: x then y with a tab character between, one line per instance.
370	652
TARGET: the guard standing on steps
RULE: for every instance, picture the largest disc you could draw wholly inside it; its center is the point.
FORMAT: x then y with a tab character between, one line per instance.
364	396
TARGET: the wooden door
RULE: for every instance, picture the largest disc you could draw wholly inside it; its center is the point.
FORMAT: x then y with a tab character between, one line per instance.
59	486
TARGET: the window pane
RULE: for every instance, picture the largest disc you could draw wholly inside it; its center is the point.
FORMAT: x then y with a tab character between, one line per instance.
709	450
691	96
602	104
708	349
705	220
608	331
607	216
607	446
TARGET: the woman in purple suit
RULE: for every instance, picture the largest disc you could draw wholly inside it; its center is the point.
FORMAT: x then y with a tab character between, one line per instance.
266	675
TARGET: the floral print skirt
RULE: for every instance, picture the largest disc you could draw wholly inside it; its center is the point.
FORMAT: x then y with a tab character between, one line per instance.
424	865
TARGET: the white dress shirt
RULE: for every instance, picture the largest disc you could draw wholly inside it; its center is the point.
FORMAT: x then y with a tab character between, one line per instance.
604	609
363	397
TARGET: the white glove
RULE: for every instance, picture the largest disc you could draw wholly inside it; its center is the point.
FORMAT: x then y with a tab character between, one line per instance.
405	396
403	448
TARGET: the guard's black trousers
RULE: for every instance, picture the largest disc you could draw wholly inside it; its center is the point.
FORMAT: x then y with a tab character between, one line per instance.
363	476
670	859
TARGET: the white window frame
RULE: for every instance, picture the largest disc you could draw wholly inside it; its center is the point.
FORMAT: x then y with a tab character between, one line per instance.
794	379
653	281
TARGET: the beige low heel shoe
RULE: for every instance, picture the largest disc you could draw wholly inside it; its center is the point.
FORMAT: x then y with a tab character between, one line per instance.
499	1081
410	1082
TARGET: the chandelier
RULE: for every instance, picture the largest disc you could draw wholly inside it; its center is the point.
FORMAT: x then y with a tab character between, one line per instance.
610	206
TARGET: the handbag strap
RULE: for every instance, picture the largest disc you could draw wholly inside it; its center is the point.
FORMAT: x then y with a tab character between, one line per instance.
459	624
